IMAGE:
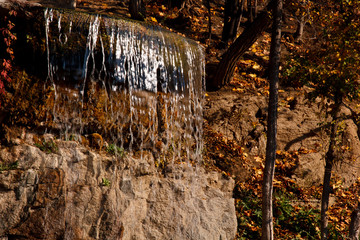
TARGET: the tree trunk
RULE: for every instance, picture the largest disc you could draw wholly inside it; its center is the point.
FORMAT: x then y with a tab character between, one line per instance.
233	13
250	11
329	161
275	50
255	8
137	9
237	22
326	195
300	29
354	228
175	3
209	15
229	59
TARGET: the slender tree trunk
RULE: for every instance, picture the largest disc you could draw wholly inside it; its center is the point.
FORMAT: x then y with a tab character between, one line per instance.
209	15
226	67
236	23
275	50
233	13
300	29
329	161
250	11
255	8
325	197
230	8
137	9
354	228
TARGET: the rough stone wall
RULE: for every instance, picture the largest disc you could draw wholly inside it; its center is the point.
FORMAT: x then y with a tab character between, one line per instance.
301	126
80	194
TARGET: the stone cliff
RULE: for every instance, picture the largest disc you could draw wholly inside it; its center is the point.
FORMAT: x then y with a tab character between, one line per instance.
79	193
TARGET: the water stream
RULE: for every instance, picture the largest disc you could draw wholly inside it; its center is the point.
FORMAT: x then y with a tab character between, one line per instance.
137	85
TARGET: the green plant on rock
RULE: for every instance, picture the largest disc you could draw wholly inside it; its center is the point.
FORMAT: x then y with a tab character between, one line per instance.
115	150
8	166
105	182
47	146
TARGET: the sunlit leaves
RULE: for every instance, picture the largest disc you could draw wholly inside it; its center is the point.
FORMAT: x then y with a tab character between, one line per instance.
331	64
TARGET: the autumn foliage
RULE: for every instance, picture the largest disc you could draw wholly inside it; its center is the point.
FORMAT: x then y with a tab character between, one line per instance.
8	38
327	61
330	64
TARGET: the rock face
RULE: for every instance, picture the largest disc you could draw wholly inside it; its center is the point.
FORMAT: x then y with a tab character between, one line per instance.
80	194
301	126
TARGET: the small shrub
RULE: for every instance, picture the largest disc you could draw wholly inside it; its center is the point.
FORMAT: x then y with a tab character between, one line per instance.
105	182
47	146
115	150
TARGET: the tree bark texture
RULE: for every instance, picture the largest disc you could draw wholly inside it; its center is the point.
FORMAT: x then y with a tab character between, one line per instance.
137	9
226	67
354	228
329	161
275	50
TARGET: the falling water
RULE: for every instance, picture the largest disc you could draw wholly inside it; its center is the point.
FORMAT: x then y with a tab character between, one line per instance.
138	86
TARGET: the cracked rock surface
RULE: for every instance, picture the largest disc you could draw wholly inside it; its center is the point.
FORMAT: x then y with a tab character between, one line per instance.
80	194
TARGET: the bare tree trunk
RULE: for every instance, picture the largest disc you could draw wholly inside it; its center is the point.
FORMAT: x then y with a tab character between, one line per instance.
226	67
275	51
329	160
137	9
209	15
255	8
325	197
233	13
354	228
300	29
250	11
238	16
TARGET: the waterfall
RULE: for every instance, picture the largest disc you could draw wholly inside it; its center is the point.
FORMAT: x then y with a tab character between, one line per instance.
102	84
137	85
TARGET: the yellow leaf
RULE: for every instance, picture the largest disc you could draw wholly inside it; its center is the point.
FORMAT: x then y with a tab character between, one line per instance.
276	182
256	66
252	75
153	19
258	171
